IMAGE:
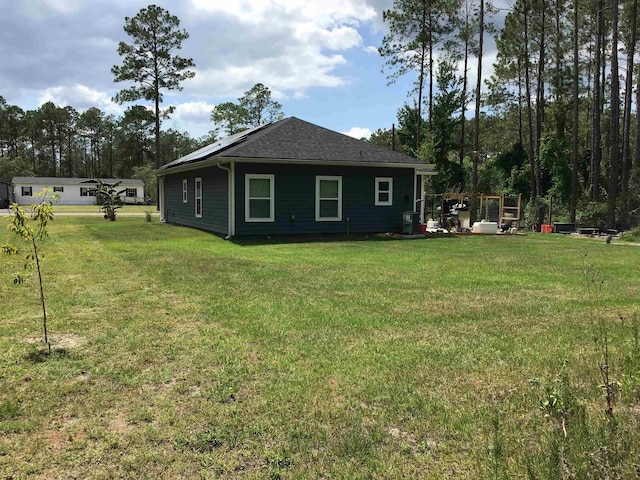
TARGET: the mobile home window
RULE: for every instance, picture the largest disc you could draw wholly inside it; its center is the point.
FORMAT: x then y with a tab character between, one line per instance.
26	191
198	190
258	198
87	192
131	192
384	191
328	198
184	190
58	189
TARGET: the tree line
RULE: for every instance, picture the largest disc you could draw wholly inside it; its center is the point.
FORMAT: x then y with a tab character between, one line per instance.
557	119
55	141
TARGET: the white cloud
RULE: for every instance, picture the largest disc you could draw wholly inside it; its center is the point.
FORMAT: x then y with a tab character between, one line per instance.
281	74
325	13
358	132
371	50
80	97
289	45
193	112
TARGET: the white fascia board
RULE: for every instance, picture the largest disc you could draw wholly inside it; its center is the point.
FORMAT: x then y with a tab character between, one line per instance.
335	163
423	168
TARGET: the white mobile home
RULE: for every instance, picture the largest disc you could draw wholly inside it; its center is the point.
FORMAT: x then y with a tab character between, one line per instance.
74	191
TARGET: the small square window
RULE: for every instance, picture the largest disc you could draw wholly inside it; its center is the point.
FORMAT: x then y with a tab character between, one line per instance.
27	192
132	192
384	191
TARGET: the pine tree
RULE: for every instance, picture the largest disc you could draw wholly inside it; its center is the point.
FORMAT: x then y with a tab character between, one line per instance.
149	61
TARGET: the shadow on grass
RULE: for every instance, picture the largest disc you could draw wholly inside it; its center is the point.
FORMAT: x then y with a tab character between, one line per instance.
328	238
42	355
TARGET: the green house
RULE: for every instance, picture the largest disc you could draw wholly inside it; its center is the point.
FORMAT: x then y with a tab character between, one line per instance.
291	177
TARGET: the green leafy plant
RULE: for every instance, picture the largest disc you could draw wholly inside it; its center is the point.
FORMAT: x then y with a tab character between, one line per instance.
108	198
561	402
32	230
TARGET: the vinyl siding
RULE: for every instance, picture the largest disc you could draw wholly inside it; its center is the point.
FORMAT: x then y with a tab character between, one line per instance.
214	199
295	200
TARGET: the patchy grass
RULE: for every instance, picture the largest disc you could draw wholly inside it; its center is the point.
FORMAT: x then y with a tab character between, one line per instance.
197	357
141	209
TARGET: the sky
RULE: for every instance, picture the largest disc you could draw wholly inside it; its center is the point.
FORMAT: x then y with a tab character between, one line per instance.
319	58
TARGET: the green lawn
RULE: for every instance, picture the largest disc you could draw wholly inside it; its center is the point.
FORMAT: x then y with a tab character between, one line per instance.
96	209
181	355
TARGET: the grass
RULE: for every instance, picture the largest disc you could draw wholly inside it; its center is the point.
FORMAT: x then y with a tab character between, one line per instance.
141	209
181	355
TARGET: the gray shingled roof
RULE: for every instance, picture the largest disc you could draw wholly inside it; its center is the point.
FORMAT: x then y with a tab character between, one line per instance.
72	181
295	140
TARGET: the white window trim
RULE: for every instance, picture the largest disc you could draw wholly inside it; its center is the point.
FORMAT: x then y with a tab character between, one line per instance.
184	190
247	178
328	219
378	191
196	198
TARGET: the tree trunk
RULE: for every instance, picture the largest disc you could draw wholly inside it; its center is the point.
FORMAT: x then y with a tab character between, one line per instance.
476	133
614	158
574	150
636	163
520	133
596	155
628	99
540	97
464	99
430	72
527	81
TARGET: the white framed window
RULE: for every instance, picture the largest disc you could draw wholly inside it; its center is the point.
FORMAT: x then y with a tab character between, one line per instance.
198	197
384	191
184	190
328	198
259	197
27	192
131	192
87	192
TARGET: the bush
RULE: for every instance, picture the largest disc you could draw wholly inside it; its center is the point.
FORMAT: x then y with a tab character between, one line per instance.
592	214
632	235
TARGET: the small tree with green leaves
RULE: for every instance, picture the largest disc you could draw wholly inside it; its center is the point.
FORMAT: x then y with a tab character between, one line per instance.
31	227
108	198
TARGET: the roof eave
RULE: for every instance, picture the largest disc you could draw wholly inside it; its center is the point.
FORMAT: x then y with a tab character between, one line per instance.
424	168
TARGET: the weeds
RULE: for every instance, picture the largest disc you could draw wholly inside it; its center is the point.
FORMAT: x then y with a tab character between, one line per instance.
586	439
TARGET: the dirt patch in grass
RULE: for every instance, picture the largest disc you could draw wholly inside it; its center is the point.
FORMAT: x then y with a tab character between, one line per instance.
60	340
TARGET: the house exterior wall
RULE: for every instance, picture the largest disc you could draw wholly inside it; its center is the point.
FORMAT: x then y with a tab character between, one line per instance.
6	193
215	217
295	197
71	193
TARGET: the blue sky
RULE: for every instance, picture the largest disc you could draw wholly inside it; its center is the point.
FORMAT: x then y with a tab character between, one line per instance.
318	58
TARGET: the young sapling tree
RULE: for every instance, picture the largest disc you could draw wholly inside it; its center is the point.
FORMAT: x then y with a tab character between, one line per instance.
108	198
32	230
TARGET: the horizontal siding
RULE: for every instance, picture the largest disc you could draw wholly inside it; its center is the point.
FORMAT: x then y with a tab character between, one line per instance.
214	199
295	200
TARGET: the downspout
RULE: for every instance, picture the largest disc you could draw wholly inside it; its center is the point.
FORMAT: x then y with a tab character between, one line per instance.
230	199
415	189
161	200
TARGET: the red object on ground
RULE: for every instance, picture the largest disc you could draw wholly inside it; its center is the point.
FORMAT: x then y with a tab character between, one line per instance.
423	228
547	228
